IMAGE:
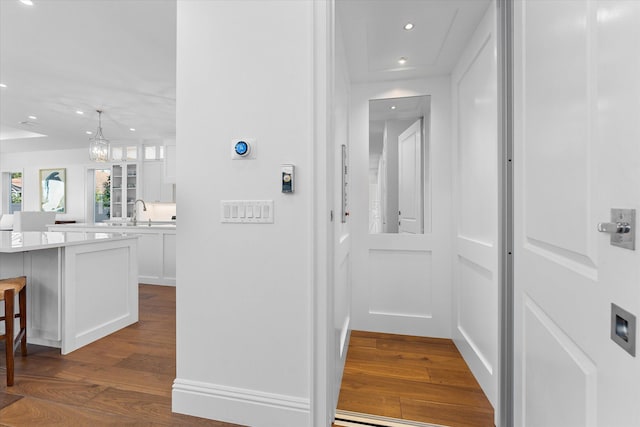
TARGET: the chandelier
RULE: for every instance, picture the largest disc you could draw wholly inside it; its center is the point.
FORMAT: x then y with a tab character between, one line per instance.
98	144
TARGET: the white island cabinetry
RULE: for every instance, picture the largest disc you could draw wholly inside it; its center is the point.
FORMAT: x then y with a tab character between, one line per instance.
156	248
74	295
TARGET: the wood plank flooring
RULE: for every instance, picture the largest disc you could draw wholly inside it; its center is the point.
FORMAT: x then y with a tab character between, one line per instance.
122	379
412	378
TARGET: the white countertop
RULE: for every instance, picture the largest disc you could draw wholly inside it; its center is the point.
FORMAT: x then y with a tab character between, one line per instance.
34	240
117	227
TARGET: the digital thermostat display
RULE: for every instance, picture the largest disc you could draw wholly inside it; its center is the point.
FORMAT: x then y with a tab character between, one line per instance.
242	148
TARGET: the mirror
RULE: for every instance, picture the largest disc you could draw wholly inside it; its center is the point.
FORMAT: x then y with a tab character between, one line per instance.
398	149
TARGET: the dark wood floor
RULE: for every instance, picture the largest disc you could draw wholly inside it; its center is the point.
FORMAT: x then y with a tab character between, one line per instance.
412	378
123	379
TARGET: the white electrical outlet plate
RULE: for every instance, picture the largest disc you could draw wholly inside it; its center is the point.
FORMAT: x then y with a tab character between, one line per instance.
246	211
244	149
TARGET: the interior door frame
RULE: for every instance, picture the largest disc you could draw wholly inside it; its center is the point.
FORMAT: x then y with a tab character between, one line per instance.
506	219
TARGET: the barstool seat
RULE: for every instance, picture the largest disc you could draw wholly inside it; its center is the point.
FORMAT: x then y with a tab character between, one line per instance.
8	290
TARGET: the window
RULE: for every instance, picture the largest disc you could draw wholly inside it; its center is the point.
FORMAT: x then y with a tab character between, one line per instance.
15	203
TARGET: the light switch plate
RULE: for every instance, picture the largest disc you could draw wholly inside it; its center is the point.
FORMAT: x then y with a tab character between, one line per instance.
246	211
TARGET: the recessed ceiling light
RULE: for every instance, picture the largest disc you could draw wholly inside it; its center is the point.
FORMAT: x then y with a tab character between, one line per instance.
402	60
393	107
33	117
408	26
27	2
132	129
89	132
79	112
3	85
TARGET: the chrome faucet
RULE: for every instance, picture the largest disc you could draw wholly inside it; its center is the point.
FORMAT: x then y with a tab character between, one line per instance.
144	209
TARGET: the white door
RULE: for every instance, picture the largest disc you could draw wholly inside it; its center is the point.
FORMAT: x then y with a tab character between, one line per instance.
576	154
410	179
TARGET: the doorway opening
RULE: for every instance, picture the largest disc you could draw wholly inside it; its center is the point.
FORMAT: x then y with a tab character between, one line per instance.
436	286
102	195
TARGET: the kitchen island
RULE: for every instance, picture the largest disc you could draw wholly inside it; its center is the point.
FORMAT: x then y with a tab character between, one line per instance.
80	286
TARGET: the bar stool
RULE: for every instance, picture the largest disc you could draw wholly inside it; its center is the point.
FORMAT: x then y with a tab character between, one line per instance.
8	290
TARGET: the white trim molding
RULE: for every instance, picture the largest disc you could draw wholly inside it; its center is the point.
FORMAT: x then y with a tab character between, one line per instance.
245	407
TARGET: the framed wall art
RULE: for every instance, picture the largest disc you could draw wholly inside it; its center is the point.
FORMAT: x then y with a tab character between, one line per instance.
53	185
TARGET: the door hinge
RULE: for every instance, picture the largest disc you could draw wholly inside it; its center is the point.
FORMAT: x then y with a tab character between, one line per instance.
331	216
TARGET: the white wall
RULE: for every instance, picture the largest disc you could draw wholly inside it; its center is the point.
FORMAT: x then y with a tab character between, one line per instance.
475	236
76	162
244	331
402	283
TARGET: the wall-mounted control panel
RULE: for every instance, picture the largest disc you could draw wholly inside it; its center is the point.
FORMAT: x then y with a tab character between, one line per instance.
623	329
246	211
288	178
244	148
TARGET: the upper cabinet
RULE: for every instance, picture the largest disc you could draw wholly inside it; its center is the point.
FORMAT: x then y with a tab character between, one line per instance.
122	153
124	189
170	161
154	186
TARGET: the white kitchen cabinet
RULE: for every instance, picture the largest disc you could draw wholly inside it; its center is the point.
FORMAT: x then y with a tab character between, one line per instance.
157	258
150	258
154	189
124	189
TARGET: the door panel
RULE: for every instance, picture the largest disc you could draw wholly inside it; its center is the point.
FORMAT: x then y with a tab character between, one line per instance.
577	155
475	172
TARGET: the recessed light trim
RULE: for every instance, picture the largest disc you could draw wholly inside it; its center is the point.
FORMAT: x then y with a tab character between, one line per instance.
408	26
3	85
79	112
33	117
88	132
402	60
393	107
132	129
27	2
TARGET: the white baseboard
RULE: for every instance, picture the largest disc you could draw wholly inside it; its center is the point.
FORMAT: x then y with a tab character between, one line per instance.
240	406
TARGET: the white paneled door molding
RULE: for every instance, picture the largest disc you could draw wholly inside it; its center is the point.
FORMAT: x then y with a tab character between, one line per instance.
402	281
577	155
475	176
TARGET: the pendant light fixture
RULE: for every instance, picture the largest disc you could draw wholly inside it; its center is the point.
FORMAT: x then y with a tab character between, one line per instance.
98	144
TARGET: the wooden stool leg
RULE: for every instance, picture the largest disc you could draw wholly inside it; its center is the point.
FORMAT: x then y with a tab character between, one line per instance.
22	296
9	294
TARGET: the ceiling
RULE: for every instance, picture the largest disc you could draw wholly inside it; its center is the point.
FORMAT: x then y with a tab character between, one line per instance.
374	36
59	57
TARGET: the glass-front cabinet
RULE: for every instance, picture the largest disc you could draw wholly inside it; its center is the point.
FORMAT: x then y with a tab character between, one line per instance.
124	189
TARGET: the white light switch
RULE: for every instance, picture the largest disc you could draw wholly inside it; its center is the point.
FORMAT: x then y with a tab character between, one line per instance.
247	211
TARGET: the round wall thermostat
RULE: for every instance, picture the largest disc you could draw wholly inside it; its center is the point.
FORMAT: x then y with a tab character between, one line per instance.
242	148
